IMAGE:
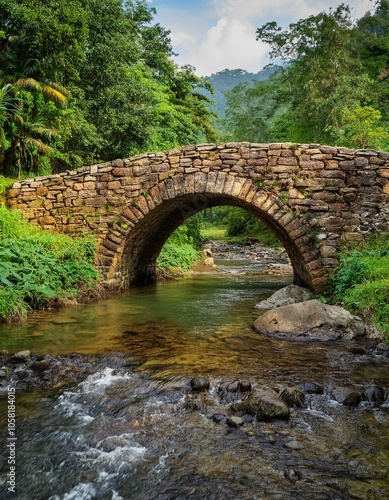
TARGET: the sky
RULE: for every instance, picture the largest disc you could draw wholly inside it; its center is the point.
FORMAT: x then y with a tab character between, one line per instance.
213	35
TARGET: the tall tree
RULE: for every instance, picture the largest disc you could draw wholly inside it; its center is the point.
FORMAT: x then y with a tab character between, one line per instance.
323	70
125	93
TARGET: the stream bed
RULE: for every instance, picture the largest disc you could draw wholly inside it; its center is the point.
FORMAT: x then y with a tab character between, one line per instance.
127	423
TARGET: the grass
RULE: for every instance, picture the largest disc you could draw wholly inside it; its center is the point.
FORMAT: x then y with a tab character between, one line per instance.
180	251
361	282
39	269
214	233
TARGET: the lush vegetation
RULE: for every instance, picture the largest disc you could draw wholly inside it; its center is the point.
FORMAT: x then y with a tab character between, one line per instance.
39	269
330	84
232	224
87	81
226	80
182	248
362	282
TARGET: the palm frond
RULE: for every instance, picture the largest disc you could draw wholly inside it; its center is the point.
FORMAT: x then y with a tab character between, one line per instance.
42	147
54	95
29	84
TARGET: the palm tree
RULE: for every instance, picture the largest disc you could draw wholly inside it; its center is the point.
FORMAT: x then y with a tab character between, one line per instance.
9	110
24	107
23	74
31	140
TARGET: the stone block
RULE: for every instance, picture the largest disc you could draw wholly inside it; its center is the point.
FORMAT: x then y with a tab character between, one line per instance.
98	201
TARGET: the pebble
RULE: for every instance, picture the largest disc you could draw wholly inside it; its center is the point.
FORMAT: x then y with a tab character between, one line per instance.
235	422
21	357
200	384
294	445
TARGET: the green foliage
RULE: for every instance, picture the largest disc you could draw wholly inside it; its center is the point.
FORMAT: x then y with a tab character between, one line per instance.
245	225
39	268
333	86
362	129
100	78
180	250
224	81
361	282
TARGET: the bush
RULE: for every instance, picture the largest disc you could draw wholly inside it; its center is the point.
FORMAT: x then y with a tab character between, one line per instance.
180	250
245	225
361	283
38	268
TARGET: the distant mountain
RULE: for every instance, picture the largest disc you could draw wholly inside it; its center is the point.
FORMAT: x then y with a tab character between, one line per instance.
227	80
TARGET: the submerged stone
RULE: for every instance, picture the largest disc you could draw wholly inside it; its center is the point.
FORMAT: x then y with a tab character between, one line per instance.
311	388
264	404
374	394
200	384
347	396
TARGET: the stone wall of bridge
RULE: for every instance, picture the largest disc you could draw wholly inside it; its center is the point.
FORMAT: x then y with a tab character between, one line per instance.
315	198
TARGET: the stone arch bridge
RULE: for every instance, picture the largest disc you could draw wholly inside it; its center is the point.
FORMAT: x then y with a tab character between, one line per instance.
314	198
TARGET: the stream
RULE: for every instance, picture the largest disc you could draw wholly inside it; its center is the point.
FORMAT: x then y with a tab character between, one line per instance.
115	416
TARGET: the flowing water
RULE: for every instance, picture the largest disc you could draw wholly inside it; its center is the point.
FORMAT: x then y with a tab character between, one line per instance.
134	429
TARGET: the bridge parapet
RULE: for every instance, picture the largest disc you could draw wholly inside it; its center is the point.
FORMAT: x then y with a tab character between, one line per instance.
314	197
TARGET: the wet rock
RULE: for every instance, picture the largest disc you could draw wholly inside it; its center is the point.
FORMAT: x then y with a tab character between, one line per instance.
347	396
112	442
292	396
245	385
3	374
40	366
219	418
294	445
21	357
23	374
291	294
382	350
359	351
311	388
209	261
233	387
310	320
292	475
235	422
374	394
200	384
382	347
264	404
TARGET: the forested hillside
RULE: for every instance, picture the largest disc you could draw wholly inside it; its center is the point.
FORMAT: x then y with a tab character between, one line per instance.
83	81
331	83
226	80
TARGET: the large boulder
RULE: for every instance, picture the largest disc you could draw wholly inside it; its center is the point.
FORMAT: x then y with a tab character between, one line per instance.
291	294
264	403
310	320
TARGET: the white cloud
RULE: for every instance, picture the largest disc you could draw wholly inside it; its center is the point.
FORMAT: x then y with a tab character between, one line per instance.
229	44
213	35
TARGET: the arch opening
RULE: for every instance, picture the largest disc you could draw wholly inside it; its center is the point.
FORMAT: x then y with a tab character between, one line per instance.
144	242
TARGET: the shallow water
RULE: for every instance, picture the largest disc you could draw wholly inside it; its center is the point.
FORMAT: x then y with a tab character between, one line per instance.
136	430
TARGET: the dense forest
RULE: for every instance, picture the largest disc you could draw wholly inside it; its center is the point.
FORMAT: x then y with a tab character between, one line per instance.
330	84
89	80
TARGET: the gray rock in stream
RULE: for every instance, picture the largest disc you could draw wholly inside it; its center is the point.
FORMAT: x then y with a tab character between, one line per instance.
347	396
200	384
264	404
21	357
291	294
310	320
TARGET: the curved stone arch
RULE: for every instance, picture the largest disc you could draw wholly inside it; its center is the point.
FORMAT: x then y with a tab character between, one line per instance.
132	247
